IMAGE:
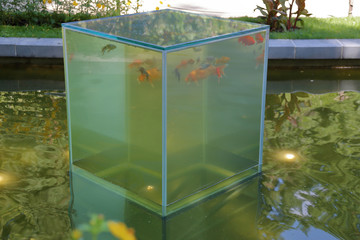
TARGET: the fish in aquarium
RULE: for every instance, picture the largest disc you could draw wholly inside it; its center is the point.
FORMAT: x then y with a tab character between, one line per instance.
220	71
260	58
183	64
71	57
149	75
144	75
138	63
154	74
204	72
222	60
246	40
259	38
107	48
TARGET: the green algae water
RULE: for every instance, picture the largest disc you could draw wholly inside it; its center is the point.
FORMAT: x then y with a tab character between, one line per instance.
309	188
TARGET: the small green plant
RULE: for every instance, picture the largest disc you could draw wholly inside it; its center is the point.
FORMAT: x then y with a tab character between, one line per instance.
279	14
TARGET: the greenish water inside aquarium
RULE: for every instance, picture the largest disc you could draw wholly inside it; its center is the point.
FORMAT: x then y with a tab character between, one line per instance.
209	135
309	188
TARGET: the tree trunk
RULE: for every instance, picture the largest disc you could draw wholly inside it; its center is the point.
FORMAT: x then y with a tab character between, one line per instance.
351	4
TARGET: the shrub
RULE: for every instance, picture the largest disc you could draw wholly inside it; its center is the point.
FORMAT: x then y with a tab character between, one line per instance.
279	14
55	12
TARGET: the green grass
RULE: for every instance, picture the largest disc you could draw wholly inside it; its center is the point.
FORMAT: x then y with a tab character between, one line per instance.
319	28
314	28
30	31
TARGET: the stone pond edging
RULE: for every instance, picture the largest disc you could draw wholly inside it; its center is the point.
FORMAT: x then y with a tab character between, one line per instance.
278	48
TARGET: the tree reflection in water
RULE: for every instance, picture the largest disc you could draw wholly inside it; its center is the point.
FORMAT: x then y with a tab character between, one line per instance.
317	192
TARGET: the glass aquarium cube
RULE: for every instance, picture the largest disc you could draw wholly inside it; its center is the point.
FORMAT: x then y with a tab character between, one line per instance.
165	107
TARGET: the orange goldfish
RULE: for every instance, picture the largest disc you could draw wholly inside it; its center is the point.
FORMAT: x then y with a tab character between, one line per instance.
222	60
149	75
71	57
260	58
154	74
196	75
136	63
246	40
139	63
201	73
259	38
183	64
144	75
219	71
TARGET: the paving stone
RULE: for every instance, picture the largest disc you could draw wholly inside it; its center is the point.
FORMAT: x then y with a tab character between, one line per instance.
39	47
7	47
351	48
278	48
318	49
281	49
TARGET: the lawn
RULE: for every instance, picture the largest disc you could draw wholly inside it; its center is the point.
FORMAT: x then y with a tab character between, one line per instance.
30	31
320	28
314	28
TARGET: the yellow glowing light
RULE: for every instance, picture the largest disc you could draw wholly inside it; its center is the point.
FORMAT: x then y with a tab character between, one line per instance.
4	179
149	188
289	156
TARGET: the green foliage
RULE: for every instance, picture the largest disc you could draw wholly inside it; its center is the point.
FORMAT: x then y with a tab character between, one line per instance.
279	14
55	12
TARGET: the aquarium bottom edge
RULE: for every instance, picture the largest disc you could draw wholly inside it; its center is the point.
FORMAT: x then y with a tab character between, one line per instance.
187	202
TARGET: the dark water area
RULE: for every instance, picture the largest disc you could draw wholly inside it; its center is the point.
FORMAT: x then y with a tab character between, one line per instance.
309	188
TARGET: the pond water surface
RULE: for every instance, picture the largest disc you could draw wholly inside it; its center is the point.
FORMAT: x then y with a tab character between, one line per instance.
309	188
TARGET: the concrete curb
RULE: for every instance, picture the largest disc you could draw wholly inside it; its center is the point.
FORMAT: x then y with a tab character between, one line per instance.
278	48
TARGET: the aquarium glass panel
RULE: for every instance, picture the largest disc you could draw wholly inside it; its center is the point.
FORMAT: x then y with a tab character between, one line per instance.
214	98
115	112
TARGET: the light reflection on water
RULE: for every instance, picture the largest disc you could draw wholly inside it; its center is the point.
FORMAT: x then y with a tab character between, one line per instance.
312	195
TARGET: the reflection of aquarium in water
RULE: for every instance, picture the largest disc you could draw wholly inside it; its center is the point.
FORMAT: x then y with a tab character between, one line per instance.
165	107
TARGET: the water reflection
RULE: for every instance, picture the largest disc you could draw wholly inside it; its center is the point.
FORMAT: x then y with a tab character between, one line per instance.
34	190
309	188
229	215
317	197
